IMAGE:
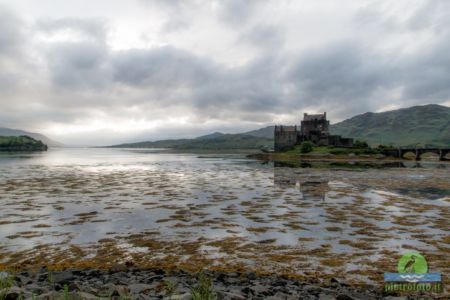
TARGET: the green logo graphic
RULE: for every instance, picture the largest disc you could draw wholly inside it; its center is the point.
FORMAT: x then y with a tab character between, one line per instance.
412	262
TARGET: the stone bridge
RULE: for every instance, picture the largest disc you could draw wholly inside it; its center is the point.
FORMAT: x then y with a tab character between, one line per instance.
400	152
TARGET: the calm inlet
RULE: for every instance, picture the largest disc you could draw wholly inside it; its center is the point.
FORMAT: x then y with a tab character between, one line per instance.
97	207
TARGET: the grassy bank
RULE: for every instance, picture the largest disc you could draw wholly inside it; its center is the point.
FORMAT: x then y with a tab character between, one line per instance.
324	153
334	151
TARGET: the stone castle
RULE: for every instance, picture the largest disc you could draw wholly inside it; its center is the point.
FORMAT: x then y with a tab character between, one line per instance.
313	128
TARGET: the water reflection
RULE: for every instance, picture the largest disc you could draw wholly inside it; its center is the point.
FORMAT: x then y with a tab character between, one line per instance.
360	164
311	188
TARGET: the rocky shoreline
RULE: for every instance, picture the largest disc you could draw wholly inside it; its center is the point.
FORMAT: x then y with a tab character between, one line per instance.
160	284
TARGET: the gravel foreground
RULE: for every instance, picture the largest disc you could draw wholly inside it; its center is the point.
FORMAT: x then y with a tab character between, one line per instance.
160	284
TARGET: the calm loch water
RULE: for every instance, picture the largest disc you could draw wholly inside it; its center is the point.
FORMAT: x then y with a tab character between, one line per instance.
95	207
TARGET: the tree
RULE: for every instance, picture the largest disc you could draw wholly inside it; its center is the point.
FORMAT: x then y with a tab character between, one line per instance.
306	147
360	144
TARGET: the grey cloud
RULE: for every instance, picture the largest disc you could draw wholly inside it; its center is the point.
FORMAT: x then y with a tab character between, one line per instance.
431	15
236	12
79	65
428	15
426	75
11	33
266	37
162	67
94	28
346	76
341	73
252	90
179	12
16	66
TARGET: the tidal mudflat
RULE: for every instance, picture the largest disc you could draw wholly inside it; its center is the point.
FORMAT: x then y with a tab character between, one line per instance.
94	208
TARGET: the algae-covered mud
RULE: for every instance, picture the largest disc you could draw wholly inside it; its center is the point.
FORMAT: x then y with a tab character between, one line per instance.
93	208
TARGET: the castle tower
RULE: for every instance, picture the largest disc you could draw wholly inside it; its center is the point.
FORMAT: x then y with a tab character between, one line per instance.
315	125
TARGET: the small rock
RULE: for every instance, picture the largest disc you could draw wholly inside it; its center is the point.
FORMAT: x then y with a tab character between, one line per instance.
151	279
49	295
312	290
13	293
34	288
124	291
221	277
344	297
159	272
246	290
4	275
281	296
42	277
93	273
185	296
63	277
230	295
324	296
258	288
87	296
137	288
73	286
252	276
280	282
23	280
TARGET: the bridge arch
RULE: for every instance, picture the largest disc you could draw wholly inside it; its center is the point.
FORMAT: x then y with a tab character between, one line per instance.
445	154
404	152
421	152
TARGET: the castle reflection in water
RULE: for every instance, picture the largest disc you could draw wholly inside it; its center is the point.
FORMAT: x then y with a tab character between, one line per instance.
311	187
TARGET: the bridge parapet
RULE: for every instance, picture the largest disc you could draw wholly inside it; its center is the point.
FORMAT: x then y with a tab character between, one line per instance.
400	152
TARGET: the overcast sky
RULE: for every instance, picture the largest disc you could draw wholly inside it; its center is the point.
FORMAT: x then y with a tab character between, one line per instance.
98	72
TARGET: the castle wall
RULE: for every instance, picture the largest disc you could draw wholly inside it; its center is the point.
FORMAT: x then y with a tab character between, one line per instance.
314	126
338	141
285	137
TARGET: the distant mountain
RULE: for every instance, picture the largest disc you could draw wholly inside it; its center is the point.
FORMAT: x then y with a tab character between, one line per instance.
37	136
154	144
214	141
266	132
210	136
428	125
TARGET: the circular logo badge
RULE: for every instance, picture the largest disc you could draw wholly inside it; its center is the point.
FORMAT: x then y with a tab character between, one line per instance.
412	262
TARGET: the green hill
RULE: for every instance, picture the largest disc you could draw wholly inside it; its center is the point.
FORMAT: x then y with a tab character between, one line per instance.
265	132
428	125
21	143
215	141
